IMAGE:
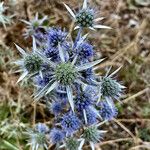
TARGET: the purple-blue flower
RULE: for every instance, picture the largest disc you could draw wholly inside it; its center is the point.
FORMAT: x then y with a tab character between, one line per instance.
88	76
56	36
56	107
40	36
91	116
82	101
107	110
44	80
70	123
94	91
85	51
56	136
52	53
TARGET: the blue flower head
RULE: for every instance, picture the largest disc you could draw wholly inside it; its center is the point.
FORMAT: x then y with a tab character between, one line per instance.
108	110
56	136
85	51
65	73
91	116
31	62
52	53
41	128
70	123
82	101
56	36
94	91
56	107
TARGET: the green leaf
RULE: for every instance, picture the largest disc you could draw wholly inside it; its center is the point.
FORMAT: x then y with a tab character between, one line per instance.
10	146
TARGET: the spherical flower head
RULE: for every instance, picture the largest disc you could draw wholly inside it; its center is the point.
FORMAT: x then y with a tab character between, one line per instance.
108	110
56	36
56	107
92	134
111	88
72	144
41	128
70	123
94	91
91	116
56	136
85	51
82	101
65	73
33	63
85	18
40	138
52	53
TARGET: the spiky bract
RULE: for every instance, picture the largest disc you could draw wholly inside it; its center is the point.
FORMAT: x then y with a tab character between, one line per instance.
92	134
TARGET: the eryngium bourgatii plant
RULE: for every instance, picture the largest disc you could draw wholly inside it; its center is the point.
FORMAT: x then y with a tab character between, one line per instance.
62	72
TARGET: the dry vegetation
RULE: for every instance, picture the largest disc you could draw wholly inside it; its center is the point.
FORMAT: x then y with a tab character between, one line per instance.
127	44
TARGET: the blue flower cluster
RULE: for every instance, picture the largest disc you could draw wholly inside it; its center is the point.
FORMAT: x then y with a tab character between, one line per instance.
63	73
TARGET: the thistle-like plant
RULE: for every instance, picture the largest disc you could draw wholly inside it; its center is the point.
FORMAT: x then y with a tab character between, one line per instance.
30	64
86	17
34	25
62	71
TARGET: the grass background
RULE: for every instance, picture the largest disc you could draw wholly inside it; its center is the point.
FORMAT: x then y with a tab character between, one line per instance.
127	44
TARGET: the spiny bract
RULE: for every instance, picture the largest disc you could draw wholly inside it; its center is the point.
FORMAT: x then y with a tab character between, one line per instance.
91	134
